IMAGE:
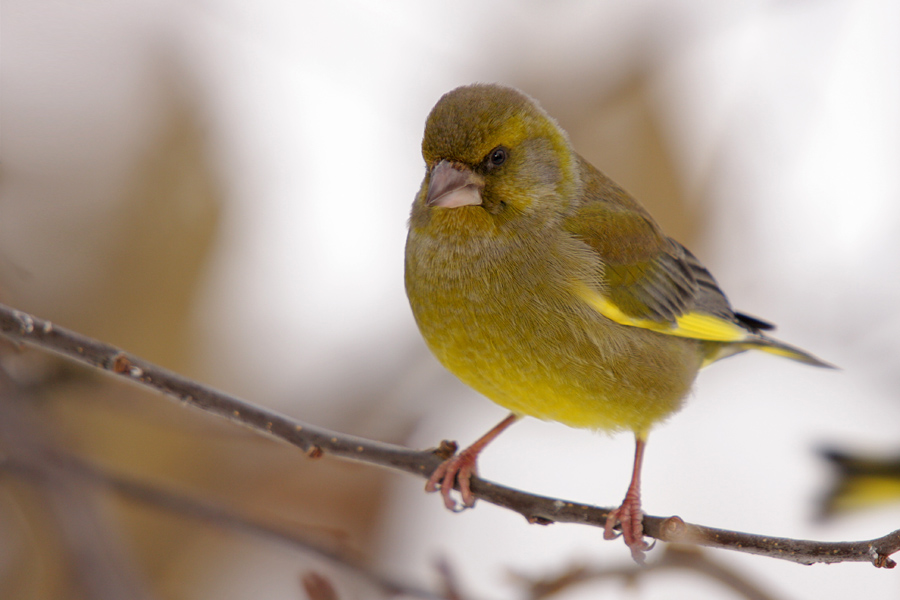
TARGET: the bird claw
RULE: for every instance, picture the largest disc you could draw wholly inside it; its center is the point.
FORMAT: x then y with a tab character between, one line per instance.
458	470
630	518
609	533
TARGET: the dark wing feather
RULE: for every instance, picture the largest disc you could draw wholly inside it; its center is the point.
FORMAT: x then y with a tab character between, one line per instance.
645	274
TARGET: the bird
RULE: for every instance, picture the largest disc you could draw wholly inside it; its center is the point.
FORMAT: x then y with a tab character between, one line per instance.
862	482
546	287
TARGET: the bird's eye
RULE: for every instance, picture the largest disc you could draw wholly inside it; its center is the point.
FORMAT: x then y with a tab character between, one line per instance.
498	156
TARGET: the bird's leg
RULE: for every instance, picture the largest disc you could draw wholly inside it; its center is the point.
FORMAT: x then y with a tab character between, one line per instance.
629	514
462	466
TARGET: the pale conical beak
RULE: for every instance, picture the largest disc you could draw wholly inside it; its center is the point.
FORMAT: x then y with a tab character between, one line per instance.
452	185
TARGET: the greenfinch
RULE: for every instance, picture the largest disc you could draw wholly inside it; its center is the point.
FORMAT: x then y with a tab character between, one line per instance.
542	284
862	482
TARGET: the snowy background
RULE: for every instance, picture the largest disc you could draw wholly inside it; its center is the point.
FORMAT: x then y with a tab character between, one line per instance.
223	187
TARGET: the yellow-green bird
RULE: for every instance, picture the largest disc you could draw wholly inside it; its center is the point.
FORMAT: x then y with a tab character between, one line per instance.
546	287
862	482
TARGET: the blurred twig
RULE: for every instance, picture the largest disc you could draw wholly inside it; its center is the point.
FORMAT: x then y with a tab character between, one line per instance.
318	587
449	582
42	460
98	566
316	441
675	557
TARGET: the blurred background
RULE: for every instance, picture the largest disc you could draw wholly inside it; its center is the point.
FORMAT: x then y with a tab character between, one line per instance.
222	187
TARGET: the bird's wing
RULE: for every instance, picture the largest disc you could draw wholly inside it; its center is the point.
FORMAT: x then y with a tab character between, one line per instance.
649	280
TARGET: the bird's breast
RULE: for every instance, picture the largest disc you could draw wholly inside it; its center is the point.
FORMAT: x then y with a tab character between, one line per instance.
498	310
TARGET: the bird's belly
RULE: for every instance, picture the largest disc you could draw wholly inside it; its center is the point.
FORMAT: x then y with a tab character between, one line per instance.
541	352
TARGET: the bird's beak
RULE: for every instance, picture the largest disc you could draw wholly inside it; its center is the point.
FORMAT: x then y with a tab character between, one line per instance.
452	185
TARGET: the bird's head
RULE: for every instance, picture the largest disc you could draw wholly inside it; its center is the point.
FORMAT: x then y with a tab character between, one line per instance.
492	149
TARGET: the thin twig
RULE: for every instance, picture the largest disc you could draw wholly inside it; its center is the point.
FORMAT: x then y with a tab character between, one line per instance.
318	587
98	566
181	504
315	441
449	582
676	557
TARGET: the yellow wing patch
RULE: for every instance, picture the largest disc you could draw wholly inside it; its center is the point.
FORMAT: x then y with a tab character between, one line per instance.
693	325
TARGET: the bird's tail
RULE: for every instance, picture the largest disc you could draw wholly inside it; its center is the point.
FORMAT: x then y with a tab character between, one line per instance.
766	344
773	346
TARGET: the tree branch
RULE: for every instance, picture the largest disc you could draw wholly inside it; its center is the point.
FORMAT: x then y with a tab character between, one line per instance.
316	441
